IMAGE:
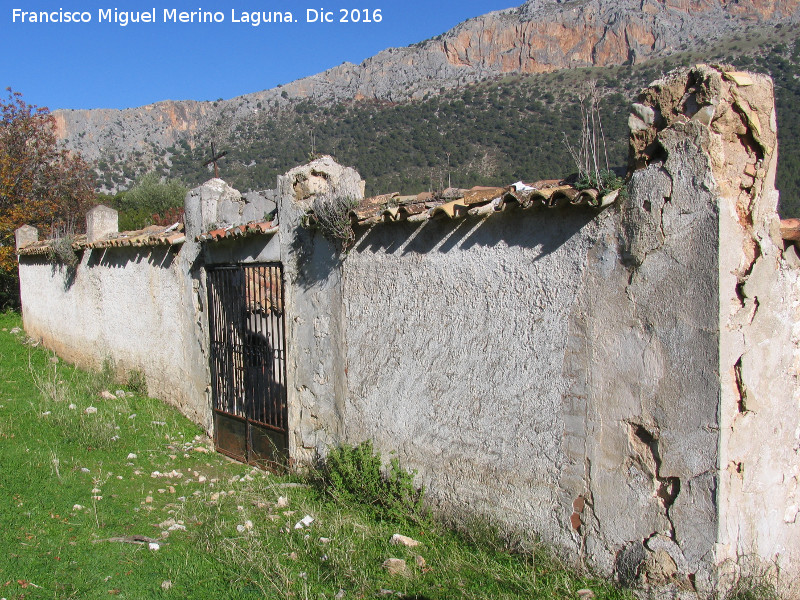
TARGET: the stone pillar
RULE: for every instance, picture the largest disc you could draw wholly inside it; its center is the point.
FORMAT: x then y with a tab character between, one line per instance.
100	222
316	379
212	205
26	235
709	280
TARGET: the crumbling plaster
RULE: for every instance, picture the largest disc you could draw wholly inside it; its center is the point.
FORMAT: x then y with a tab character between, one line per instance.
316	360
581	376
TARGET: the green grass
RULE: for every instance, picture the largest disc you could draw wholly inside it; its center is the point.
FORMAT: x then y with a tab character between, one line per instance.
239	539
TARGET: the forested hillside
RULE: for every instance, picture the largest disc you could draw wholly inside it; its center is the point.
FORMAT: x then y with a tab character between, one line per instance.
494	132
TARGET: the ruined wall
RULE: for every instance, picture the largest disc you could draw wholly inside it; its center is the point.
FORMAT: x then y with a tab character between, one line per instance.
621	383
526	371
145	308
727	121
456	335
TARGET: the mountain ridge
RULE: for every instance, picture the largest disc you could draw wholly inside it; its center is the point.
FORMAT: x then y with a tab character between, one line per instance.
537	37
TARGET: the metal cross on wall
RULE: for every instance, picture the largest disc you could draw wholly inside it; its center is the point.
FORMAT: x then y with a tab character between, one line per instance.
214	158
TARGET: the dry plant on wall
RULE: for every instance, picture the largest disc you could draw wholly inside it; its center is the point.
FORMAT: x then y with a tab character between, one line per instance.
330	214
61	251
591	156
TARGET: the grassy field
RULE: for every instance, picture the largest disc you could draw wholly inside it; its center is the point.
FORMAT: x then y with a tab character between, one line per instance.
125	497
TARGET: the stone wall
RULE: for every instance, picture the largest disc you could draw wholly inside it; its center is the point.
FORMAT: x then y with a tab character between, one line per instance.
137	308
613	382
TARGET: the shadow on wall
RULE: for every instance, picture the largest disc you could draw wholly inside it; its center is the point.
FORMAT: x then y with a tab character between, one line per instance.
317	258
545	230
119	258
69	272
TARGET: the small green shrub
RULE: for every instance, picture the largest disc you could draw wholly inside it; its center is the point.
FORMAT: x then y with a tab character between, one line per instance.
137	382
107	376
604	181
355	473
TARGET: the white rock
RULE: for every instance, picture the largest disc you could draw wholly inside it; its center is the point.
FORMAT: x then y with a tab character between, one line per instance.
106	395
84	470
132	456
403	540
90	410
304	522
72	407
154	546
790	516
283	502
177	527
77	507
395	566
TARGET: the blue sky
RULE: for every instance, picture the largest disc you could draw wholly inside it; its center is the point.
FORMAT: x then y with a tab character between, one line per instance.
106	65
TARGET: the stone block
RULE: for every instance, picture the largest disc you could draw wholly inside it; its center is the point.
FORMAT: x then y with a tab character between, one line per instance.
100	222
26	235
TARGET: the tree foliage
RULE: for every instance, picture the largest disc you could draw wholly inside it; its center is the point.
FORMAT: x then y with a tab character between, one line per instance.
149	202
41	183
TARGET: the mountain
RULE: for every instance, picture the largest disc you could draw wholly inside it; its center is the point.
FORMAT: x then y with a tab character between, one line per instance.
539	37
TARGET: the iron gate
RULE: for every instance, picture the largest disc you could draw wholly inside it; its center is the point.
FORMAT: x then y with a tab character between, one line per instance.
248	362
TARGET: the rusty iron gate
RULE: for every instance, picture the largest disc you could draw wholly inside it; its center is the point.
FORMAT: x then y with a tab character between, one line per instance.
248	362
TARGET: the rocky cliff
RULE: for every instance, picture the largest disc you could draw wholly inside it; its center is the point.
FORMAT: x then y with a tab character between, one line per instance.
539	36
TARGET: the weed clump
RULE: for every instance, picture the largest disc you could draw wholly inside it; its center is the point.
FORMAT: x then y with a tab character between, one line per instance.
137	382
604	181
330	214
752	580
355	473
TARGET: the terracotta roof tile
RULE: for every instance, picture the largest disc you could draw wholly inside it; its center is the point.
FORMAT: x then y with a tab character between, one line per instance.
154	235
237	231
454	203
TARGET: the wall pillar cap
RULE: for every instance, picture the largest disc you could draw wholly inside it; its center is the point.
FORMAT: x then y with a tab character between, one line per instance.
27	234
